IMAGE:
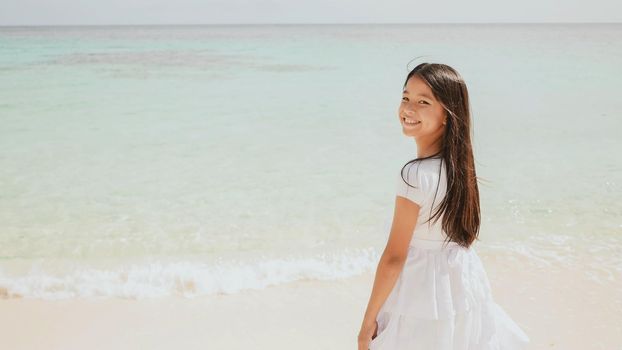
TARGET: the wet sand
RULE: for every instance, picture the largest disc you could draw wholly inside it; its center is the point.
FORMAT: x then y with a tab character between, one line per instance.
559	308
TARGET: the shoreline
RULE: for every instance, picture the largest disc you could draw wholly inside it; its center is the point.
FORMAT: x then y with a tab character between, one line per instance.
558	309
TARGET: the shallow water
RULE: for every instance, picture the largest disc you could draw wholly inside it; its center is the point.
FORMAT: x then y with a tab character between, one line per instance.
148	161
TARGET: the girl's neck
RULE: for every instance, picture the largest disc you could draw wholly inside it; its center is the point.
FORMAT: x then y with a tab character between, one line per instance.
426	148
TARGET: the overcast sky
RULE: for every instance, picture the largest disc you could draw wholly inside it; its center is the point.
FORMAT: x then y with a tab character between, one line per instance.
41	12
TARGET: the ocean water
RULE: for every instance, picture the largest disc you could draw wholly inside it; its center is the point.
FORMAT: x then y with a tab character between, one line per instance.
149	161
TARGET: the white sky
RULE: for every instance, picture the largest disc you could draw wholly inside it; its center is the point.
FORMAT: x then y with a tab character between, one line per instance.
73	12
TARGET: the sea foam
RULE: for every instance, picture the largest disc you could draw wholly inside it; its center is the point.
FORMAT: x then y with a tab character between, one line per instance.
184	278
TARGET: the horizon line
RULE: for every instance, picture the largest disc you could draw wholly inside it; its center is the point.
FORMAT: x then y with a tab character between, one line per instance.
289	24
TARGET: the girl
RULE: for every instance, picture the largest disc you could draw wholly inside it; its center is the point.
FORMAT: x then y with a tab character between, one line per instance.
431	291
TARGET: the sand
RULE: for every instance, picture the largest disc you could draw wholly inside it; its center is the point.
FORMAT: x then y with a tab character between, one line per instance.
557	308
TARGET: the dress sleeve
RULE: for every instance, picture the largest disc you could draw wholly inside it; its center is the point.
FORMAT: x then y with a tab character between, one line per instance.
416	192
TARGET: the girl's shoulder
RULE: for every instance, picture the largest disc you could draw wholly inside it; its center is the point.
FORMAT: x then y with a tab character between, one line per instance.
420	179
429	166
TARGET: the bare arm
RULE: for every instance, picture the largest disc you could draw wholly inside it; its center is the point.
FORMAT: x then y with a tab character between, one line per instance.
393	257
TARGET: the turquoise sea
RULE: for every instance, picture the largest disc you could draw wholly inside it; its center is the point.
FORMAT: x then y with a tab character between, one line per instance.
145	161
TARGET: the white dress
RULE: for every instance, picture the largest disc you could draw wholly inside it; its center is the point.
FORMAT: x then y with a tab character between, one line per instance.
442	298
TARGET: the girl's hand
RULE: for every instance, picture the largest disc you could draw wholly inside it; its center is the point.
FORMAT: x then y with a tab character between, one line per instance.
366	334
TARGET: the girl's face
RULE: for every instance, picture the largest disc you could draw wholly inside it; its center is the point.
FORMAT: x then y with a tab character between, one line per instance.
420	113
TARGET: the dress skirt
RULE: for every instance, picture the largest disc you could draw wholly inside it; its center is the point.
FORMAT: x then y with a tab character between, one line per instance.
442	300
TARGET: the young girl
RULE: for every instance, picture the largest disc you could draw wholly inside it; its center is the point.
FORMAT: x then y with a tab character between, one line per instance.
431	291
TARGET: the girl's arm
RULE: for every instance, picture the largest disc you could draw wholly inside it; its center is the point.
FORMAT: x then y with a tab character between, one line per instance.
393	257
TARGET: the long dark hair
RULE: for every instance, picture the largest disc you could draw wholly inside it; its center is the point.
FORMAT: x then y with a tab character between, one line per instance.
460	207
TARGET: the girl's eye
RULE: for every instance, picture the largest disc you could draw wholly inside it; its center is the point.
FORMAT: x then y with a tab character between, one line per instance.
406	98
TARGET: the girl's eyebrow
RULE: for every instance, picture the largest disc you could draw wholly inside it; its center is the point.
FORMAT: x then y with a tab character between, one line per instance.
423	95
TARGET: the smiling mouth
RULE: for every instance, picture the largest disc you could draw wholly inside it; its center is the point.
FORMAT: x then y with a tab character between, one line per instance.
410	122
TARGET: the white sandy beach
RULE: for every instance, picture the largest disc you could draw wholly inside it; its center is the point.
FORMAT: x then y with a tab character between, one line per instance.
558	310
